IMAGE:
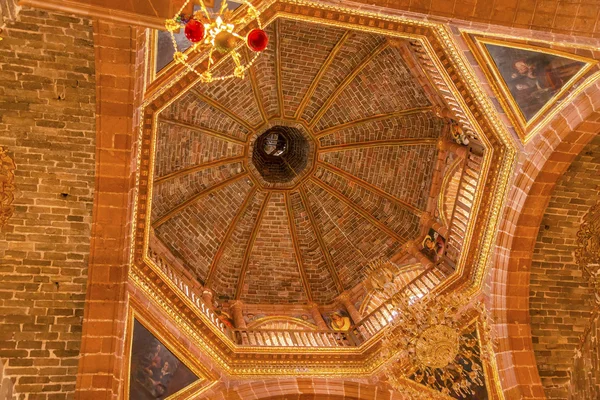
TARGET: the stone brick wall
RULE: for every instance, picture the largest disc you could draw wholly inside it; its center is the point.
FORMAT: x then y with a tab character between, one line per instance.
47	123
560	297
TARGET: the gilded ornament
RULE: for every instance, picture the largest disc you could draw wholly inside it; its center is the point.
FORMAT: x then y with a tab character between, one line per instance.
7	186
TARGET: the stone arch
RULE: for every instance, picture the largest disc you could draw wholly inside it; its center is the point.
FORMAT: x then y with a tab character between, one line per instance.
548	154
304	389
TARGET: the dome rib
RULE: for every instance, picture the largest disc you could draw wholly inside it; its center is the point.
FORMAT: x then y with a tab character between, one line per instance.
322	70
347	80
296	244
215	262
218	106
321	241
366	215
242	276
351	206
196	197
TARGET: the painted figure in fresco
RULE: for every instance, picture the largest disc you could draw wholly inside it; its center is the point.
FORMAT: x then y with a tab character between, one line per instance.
533	78
339	321
433	246
156	373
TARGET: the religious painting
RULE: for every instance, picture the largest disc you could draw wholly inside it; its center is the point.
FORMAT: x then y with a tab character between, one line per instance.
528	80
533	78
155	373
338	320
433	246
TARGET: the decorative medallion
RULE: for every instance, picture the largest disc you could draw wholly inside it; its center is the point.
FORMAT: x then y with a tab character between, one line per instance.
439	347
7	186
529	81
588	241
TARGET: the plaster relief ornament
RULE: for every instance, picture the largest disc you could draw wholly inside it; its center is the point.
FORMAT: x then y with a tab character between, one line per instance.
588	246
7	187
435	342
215	31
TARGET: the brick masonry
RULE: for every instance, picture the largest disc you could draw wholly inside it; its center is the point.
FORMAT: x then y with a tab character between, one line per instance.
47	110
363	212
560	297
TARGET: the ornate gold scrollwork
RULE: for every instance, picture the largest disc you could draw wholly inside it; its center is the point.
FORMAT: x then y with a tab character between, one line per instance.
7	186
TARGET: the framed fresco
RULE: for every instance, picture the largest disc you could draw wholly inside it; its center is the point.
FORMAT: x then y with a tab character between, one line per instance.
433	246
529	81
159	368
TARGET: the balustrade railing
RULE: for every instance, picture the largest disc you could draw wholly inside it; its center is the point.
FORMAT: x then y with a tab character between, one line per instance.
379	318
191	289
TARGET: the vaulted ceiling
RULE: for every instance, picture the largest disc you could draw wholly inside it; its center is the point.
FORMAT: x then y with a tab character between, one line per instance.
364	125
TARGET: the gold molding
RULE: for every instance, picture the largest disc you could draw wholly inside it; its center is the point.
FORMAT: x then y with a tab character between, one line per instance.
476	42
7	186
256	91
278	78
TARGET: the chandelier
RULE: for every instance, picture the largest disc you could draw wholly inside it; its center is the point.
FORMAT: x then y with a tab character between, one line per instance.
215	32
432	343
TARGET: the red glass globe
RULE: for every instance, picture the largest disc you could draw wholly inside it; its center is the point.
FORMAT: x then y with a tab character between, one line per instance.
257	40
194	31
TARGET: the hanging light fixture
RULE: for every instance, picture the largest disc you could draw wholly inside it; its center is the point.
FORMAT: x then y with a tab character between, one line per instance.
430	344
217	32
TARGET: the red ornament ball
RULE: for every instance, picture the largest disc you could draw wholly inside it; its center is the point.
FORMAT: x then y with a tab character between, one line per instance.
257	40
194	31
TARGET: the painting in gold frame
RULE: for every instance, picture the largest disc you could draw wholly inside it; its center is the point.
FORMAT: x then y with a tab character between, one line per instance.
142	328
529	81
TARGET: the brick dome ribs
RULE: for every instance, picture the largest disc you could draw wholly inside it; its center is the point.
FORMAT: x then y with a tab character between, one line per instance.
279	188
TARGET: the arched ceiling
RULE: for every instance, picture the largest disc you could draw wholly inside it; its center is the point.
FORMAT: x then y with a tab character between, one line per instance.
371	152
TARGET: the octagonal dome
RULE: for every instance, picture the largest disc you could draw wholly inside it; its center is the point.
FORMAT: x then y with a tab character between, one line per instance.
367	151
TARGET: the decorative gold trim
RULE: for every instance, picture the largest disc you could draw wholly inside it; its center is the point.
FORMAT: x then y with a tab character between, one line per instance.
257	323
278	69
257	94
7	186
525	129
458	77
